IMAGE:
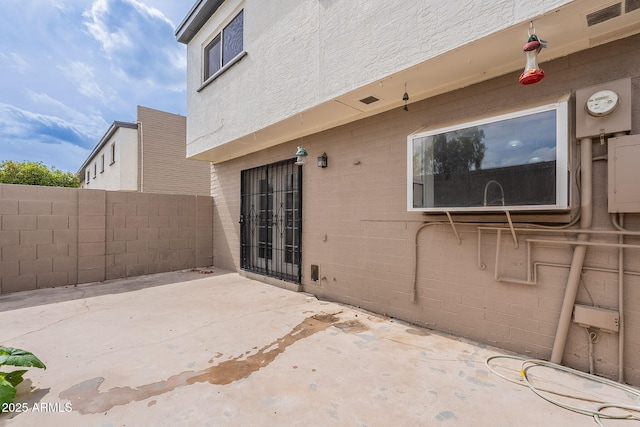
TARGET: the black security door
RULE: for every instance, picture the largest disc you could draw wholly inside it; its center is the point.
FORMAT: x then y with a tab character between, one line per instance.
271	220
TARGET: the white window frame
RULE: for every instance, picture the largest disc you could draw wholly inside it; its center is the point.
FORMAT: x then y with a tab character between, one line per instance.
562	160
113	153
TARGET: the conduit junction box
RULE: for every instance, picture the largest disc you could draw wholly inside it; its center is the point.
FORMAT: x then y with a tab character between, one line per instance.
604	319
624	156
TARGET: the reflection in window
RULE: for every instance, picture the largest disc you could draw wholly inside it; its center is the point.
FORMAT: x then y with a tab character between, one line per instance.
226	46
503	162
232	36
213	57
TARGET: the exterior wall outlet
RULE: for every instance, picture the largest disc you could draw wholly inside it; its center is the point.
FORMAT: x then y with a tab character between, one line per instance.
604	319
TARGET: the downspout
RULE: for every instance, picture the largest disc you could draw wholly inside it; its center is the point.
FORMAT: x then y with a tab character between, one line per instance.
586	220
141	148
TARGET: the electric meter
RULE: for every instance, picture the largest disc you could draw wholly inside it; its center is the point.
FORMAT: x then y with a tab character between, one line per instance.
602	103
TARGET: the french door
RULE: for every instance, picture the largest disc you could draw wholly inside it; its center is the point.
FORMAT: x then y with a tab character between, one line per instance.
271	220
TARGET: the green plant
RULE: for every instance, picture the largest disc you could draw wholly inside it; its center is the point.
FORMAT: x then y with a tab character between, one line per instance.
10	380
36	173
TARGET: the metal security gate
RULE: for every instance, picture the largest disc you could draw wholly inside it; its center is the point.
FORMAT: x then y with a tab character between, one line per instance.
271	220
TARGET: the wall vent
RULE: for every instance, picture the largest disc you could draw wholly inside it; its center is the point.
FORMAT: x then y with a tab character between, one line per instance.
315	273
369	100
604	15
631	5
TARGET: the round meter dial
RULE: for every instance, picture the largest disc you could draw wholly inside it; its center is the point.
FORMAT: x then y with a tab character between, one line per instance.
602	103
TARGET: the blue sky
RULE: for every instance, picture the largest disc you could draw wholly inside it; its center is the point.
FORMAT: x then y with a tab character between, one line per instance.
69	68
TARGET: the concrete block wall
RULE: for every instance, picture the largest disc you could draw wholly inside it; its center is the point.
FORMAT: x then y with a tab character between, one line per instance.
60	236
357	230
38	237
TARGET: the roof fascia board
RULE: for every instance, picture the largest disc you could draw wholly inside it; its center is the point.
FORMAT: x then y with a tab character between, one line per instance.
199	14
103	141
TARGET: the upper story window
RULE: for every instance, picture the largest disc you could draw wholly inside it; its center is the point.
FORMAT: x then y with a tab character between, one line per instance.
95	169
101	163
225	48
88	176
515	161
113	153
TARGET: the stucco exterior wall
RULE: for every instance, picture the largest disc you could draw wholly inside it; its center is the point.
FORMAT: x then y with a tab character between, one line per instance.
63	236
293	72
120	174
357	230
150	157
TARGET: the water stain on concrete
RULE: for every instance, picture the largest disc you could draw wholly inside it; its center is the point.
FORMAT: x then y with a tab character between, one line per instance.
352	326
446	415
87	398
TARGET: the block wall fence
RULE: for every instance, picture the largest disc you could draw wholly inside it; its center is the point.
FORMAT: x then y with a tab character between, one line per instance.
53	236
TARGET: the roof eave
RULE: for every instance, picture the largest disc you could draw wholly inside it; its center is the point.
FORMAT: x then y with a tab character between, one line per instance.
199	14
112	129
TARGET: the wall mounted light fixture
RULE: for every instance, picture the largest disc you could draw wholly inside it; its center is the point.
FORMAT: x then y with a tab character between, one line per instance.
322	161
300	156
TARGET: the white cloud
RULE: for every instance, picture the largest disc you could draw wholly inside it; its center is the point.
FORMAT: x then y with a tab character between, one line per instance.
139	41
82	75
99	28
70	126
15	61
151	11
81	65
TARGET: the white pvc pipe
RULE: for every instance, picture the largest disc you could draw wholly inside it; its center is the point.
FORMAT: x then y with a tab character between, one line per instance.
586	220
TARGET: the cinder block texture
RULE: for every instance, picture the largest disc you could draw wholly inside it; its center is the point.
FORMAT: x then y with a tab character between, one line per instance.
373	253
54	237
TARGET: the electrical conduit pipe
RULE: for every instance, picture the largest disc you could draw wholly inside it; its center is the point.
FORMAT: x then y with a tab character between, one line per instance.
586	220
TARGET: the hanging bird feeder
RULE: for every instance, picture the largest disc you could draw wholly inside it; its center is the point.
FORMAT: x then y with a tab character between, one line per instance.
532	73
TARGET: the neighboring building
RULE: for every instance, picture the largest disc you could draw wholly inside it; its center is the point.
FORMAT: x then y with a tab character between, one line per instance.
454	212
147	156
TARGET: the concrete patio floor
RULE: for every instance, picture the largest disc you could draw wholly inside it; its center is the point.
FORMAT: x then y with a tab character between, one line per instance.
193	349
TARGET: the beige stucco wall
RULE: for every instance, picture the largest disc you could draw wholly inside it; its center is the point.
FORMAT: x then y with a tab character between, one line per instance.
61	236
150	156
165	168
357	229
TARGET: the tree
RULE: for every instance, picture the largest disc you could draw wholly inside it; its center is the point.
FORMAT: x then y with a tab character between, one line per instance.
458	152
36	173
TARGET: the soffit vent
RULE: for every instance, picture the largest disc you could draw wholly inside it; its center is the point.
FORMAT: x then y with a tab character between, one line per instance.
631	5
605	14
369	100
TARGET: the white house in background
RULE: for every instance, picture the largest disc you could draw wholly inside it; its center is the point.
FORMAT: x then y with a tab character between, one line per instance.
446	193
146	156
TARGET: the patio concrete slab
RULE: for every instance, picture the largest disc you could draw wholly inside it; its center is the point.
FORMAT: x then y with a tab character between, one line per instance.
219	349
